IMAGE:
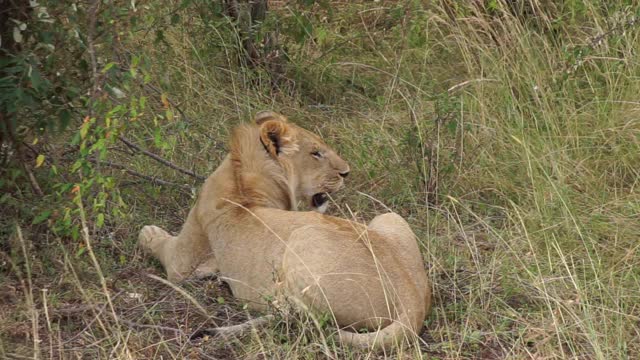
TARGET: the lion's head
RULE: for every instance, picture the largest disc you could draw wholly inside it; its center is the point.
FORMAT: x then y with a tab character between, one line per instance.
275	158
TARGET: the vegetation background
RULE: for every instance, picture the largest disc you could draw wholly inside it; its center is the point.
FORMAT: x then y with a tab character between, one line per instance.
506	132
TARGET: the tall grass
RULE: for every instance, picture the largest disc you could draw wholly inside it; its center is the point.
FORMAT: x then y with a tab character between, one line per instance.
507	136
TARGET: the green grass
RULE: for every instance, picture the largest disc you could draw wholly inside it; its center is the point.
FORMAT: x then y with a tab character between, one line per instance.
510	143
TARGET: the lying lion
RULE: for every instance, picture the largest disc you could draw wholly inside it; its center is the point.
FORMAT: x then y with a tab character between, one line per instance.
245	227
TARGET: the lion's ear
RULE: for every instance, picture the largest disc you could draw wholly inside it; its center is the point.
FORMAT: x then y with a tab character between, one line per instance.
266	115
277	137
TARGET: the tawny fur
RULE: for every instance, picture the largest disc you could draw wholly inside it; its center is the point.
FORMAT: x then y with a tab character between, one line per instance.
243	228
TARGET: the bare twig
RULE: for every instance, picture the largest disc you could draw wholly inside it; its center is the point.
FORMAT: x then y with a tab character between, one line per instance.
148	178
95	86
82	309
159	159
75	309
234	330
46	159
146	326
33	181
151	179
171	102
183	115
27	169
181	291
597	40
96	264
28	290
465	83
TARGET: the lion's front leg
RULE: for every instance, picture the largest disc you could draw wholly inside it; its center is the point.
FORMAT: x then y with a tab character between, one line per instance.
154	239
206	269
181	256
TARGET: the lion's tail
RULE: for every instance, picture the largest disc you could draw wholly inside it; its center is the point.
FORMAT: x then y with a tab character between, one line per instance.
394	333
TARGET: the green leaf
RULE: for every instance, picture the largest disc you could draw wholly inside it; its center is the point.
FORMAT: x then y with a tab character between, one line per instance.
159	37
42	217
84	129
75	234
64	117
100	220
4	198
452	126
321	35
99	145
302	27
220	300
37	82
81	251
39	160
157	138
184	4
107	67
76	166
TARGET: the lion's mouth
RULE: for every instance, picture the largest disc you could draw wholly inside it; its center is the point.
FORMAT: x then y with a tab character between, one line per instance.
319	199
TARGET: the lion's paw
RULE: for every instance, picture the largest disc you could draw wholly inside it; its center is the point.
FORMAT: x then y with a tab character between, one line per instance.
151	236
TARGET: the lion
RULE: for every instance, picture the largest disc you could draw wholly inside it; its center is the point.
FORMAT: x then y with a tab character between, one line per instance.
246	227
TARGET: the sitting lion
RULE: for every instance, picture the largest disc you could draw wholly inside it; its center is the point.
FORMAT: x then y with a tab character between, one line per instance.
245	227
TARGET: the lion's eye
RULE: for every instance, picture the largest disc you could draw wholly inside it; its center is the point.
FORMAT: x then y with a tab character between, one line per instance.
316	154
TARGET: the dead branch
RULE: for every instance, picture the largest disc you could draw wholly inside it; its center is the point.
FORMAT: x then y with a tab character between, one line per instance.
73	310
46	159
183	115
32	179
171	102
146	326
159	159
233	330
151	179
95	86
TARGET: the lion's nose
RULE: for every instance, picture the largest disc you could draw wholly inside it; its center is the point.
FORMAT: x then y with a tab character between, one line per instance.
344	174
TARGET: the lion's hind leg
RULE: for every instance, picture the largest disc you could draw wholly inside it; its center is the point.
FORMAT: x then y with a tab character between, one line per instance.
392	224
397	231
